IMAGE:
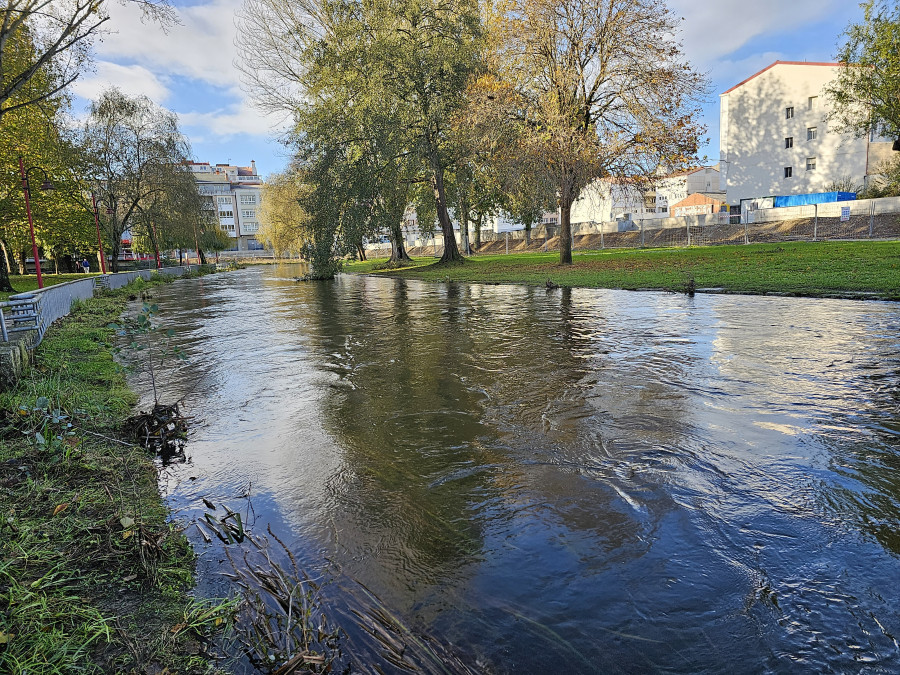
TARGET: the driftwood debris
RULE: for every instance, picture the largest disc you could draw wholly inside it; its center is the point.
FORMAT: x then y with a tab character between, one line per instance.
160	429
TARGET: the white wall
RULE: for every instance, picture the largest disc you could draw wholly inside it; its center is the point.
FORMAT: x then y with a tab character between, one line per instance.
754	126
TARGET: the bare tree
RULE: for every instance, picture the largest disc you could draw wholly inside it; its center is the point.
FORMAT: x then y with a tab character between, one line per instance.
62	32
600	88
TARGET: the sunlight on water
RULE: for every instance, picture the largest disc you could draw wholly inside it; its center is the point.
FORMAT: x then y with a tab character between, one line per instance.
558	481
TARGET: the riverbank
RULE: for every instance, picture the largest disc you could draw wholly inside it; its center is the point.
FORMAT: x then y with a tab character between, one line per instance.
93	576
854	269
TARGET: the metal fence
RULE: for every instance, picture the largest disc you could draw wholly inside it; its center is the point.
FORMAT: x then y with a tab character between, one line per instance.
35	311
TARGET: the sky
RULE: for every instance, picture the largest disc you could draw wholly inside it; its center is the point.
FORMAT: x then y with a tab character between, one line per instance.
190	67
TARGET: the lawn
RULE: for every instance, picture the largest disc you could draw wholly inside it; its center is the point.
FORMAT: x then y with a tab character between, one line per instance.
854	269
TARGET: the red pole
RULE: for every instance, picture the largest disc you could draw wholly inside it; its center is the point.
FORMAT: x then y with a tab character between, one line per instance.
37	262
99	239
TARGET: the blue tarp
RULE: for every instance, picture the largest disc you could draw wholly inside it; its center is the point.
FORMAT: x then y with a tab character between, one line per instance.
817	198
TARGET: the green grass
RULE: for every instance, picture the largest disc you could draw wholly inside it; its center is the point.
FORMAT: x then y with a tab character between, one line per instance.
852	269
93	575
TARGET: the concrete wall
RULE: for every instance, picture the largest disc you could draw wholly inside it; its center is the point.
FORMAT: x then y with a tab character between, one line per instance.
51	304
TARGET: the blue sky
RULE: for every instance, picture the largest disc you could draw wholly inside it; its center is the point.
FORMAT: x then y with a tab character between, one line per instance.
189	68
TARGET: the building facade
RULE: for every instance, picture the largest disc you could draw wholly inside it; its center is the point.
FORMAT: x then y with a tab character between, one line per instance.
774	136
235	193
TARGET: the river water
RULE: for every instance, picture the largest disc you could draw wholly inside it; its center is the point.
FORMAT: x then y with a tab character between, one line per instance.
557	481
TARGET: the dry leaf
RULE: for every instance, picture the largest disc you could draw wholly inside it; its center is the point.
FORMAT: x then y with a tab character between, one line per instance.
60	508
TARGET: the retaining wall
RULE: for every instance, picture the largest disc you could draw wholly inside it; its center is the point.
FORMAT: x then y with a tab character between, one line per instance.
49	304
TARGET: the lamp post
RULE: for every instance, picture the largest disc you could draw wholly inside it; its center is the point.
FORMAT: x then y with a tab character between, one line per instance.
46	185
99	238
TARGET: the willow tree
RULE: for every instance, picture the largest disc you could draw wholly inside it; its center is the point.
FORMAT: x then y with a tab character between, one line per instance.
600	89
414	57
138	155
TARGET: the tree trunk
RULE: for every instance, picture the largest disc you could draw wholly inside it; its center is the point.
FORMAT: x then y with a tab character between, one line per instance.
528	234
201	256
5	285
361	250
114	254
398	248
565	227
451	250
478	218
23	257
464	227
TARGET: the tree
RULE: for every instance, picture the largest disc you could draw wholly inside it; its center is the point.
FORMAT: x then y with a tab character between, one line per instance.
62	32
598	87
412	56
864	93
283	224
138	154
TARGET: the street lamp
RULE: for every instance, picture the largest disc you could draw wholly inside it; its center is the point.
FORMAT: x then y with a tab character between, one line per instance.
46	186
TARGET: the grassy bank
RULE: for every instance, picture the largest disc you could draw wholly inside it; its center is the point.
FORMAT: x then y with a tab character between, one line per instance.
855	269
93	578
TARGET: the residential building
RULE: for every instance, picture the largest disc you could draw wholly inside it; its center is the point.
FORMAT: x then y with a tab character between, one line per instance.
696	204
236	193
775	139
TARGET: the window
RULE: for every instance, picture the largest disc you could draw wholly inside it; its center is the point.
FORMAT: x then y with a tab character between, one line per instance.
226	214
789	142
810	163
223	200
248	199
248	213
250	226
788	171
813	102
789	113
812	133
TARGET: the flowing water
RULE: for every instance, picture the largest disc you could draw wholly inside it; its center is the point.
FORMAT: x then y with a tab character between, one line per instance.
558	481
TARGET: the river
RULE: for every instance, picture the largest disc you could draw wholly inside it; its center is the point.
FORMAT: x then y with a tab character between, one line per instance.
556	481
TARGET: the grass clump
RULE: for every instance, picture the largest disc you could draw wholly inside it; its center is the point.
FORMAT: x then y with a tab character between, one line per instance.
93	575
866	269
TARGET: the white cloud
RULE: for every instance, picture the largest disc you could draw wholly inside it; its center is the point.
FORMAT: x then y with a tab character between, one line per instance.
225	123
202	47
713	30
133	80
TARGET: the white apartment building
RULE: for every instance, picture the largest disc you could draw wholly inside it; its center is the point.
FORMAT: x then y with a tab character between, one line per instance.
774	138
607	200
236	195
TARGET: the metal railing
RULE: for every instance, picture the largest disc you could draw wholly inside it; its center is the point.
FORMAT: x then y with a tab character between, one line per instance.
35	311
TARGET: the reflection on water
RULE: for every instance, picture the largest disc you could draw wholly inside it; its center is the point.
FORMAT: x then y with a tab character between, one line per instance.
561	481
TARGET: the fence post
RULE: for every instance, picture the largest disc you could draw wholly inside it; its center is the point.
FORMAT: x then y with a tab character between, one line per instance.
816	222
746	233
602	246
872	219
507	243
687	226
642	234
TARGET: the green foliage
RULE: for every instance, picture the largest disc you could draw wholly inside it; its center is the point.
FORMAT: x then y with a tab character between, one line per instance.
885	184
92	576
864	94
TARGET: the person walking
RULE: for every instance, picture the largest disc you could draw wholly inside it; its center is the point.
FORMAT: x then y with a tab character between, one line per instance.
85	266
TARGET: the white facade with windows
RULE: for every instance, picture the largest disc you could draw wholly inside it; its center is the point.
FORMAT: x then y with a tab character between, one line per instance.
236	191
774	136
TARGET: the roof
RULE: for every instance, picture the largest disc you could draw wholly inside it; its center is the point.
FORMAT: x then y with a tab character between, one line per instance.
780	63
688	172
696	199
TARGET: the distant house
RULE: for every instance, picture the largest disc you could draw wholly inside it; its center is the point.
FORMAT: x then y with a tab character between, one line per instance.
696	204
